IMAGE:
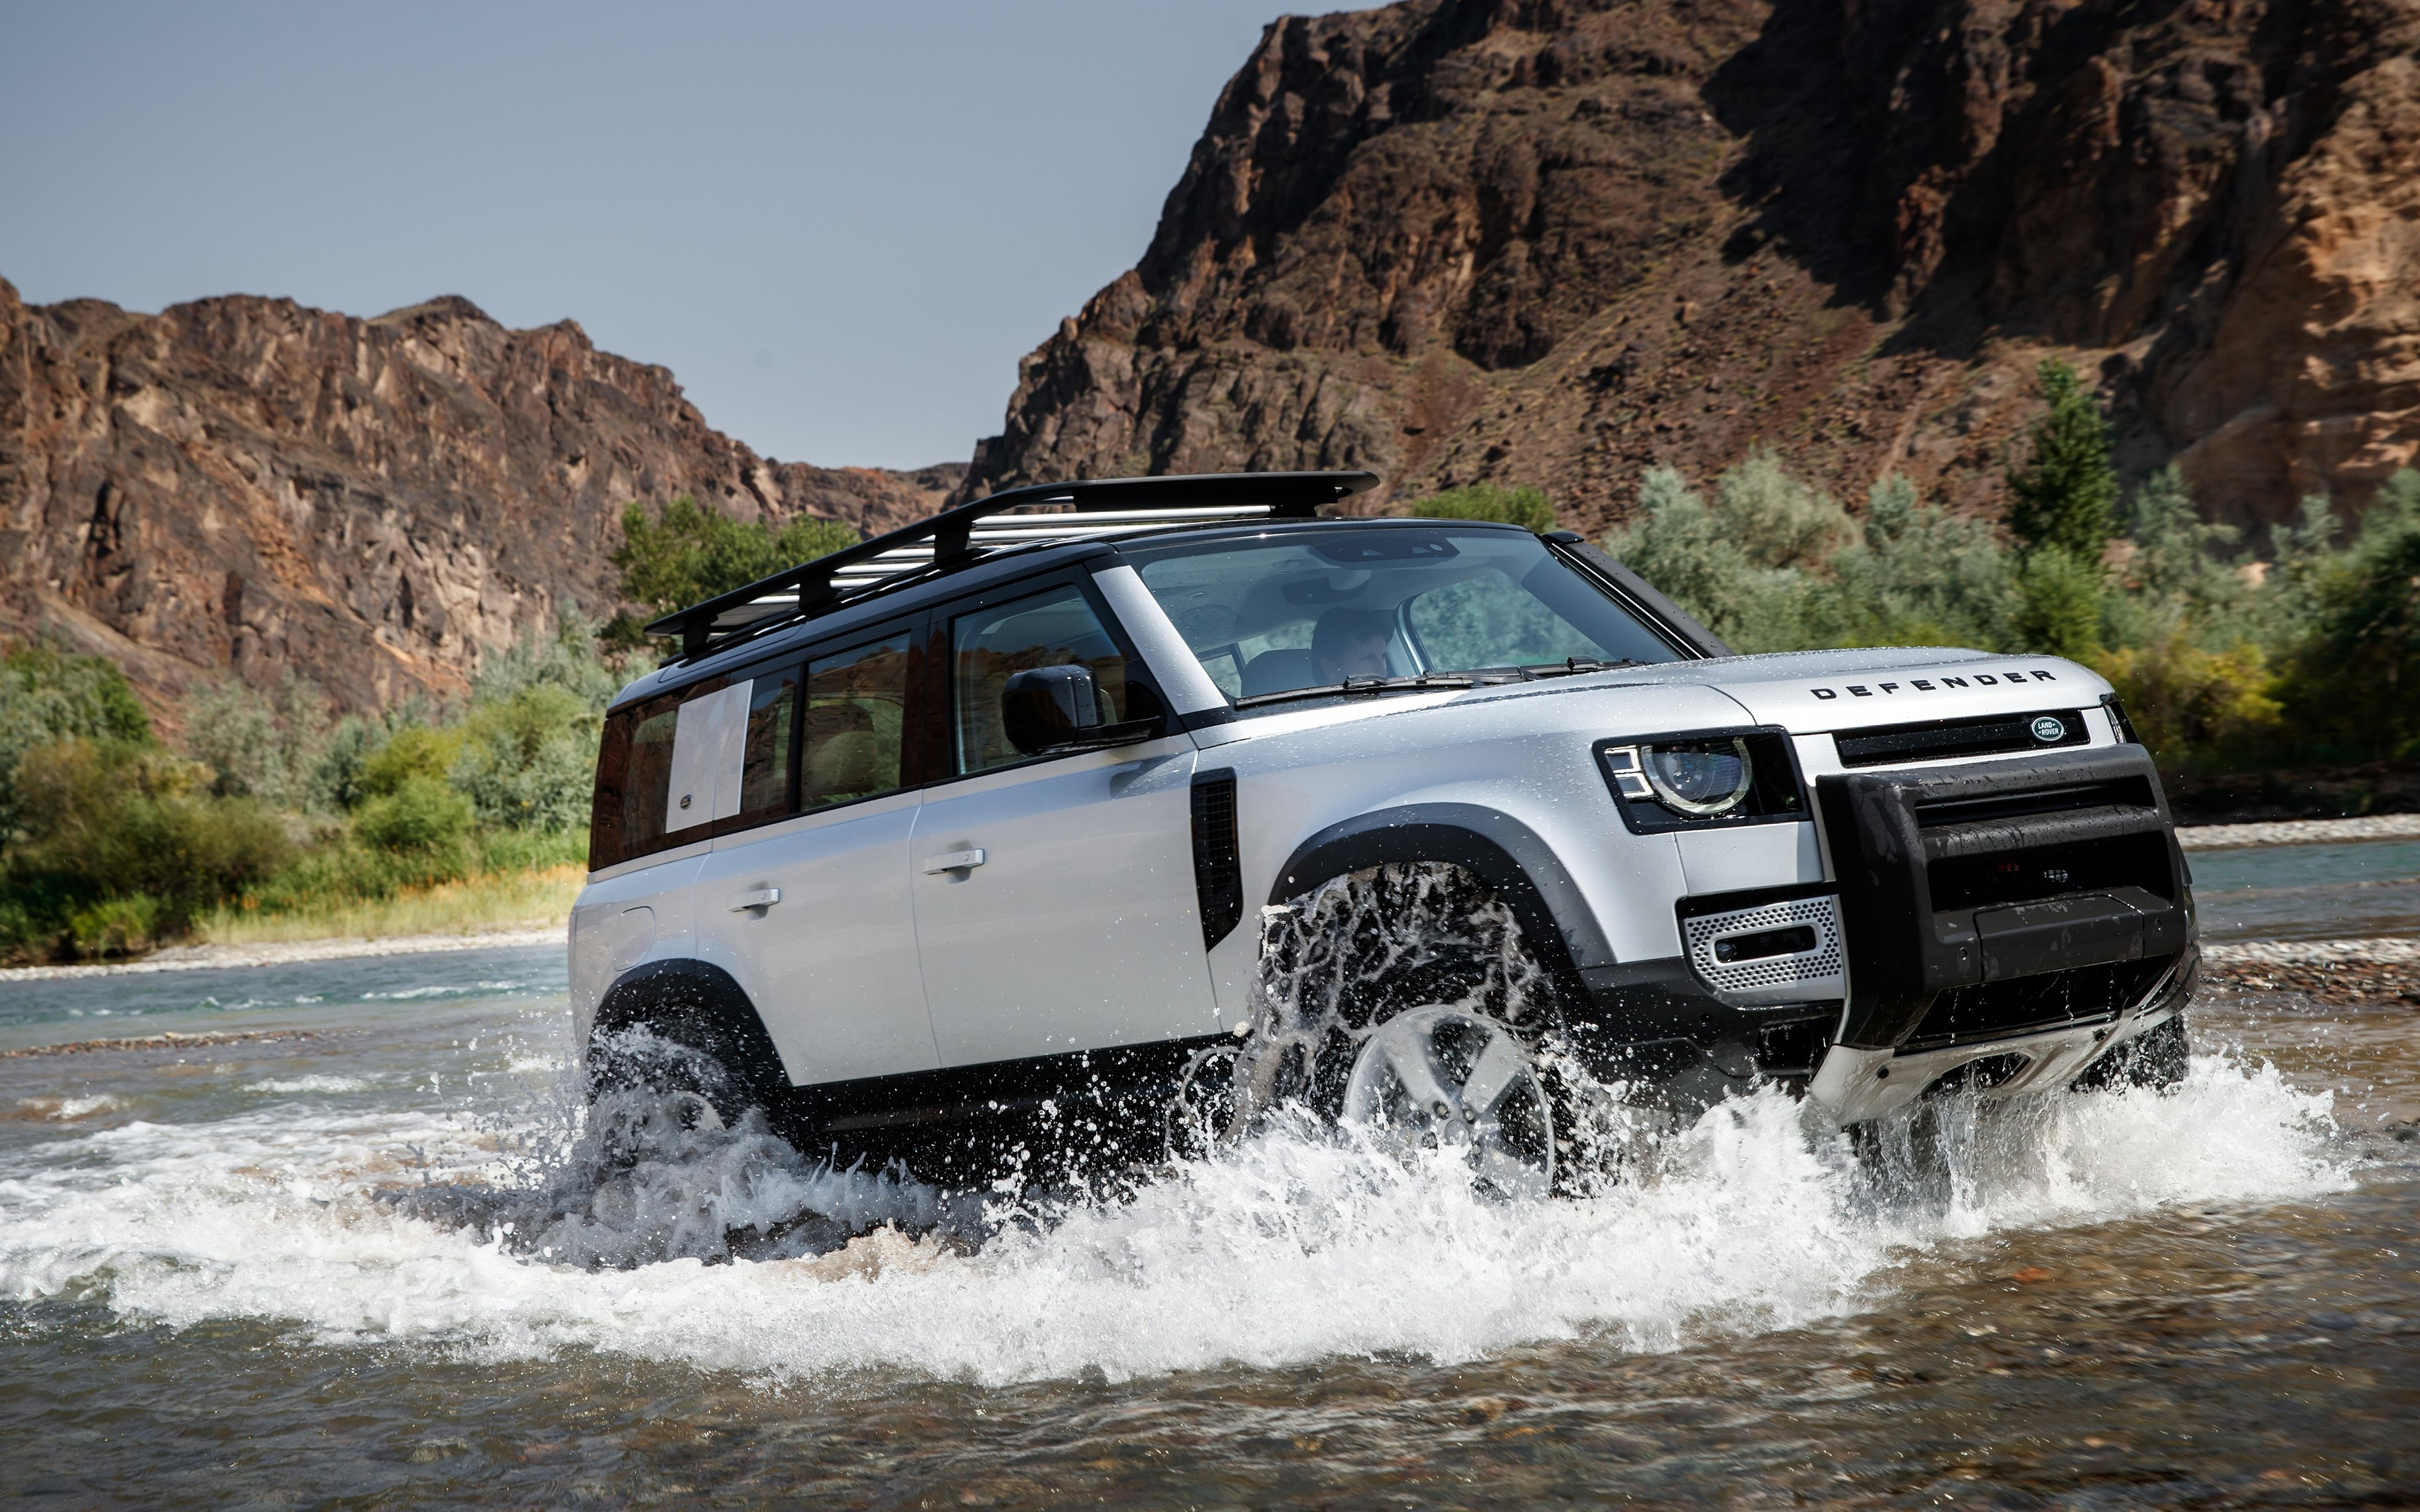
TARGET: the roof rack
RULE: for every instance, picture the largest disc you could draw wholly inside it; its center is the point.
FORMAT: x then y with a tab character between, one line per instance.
961	536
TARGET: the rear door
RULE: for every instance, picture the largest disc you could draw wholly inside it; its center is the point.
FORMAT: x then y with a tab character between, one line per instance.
805	899
1055	906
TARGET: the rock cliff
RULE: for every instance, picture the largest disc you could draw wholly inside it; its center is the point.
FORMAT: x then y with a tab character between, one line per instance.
243	485
1558	242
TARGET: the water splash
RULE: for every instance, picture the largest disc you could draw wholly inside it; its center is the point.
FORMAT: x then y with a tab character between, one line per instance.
645	1227
1356	949
1294	1244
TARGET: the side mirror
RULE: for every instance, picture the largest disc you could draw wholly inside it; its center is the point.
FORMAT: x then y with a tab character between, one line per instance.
1042	707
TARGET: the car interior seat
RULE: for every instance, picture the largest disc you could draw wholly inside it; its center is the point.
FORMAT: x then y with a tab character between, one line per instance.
1278	672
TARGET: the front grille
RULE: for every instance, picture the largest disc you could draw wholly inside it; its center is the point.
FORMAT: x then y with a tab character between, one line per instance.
1992	734
2038	873
2023	1005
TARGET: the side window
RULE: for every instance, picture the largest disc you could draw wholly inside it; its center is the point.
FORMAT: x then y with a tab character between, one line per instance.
1488	620
634	778
856	724
1052	629
764	761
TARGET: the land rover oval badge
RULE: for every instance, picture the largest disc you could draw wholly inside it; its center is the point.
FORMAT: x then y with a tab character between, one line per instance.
2047	729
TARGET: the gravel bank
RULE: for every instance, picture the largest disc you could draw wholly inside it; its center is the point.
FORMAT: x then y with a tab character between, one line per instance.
204	957
2300	832
2333	971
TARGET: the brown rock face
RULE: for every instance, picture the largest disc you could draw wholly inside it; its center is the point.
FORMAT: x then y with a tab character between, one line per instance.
245	486
1558	242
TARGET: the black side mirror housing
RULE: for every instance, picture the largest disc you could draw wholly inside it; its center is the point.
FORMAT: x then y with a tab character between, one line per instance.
1061	708
1044	707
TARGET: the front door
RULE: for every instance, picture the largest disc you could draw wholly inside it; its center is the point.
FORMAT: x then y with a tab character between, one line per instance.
1055	904
813	914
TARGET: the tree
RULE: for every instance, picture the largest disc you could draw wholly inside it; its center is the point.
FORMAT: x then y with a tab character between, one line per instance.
2064	498
689	554
2062	504
1525	507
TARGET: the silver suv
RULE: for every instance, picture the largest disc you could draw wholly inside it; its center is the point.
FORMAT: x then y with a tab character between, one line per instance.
1058	809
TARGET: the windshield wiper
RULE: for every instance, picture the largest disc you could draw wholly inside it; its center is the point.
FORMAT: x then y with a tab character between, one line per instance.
1574	665
1423	683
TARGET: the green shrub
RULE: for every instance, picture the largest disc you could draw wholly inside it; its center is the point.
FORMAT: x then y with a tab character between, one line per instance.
686	554
564	659
113	820
528	762
116	926
1695	558
48	693
2059	604
2199	710
1918	576
422	814
410	752
2355	683
1525	507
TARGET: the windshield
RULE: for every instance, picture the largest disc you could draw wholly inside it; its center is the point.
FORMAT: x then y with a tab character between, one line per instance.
1278	614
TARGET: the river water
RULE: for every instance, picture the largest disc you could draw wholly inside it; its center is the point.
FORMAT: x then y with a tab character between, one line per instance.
375	1266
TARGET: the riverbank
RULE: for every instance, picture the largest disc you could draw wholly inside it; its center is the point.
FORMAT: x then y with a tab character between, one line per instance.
2300	831
206	957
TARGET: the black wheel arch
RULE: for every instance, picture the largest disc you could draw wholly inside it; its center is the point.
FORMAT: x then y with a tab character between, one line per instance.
1500	850
698	1004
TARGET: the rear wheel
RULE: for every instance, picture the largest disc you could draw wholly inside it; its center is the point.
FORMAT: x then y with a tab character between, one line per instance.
687	1083
2159	1058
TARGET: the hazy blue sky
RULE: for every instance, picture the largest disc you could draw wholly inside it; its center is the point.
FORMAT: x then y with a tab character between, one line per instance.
840	226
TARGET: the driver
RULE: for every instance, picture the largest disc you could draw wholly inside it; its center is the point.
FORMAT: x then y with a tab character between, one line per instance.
1349	642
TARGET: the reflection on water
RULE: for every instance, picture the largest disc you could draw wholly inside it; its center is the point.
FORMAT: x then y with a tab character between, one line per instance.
2303	892
302	1270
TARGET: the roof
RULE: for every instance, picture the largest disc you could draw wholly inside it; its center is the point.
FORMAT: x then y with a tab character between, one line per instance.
1044	514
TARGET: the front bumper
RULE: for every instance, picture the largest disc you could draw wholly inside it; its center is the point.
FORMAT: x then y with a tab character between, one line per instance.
2005	922
1854	1085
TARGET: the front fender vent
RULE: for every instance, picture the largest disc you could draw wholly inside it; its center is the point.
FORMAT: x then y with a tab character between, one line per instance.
1217	859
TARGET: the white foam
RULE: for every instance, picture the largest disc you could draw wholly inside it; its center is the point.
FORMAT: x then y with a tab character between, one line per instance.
315	1081
1289	1249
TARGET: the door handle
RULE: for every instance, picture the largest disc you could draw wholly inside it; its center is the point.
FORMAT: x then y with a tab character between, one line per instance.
761	898
953	861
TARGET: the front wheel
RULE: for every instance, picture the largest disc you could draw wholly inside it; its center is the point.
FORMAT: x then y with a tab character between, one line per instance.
1439	1078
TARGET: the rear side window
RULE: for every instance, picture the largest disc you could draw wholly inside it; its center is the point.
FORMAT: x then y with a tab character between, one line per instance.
634	779
713	757
765	763
856	724
1051	628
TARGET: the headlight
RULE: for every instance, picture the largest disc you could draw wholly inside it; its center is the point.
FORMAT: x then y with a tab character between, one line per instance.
1701	779
1715	777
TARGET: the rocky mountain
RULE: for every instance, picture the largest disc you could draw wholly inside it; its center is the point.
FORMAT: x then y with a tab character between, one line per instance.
239	486
1559	241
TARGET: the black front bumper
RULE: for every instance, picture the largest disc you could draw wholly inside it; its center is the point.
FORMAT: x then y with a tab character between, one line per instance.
1980	902
1993	899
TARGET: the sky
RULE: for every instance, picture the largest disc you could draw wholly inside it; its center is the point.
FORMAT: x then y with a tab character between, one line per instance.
839	225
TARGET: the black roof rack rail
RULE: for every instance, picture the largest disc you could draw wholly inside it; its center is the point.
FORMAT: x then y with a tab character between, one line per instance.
958	537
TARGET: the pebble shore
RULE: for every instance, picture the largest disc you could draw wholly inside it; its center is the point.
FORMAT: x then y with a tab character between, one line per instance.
204	957
2332	971
2300	832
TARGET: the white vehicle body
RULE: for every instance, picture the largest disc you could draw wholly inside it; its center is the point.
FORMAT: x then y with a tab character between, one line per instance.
972	939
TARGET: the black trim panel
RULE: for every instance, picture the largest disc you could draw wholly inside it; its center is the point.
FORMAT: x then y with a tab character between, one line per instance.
1497	849
1217	860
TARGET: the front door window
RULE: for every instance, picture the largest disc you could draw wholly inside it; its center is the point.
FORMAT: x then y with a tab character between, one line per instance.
1056	627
